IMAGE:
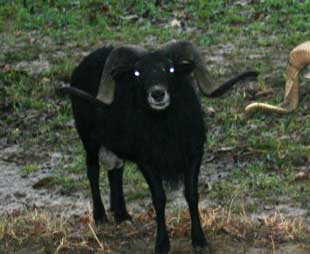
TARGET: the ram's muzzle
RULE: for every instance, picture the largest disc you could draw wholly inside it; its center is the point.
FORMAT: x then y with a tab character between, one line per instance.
158	97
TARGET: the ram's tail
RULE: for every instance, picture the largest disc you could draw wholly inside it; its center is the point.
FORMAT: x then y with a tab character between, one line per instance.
228	84
73	91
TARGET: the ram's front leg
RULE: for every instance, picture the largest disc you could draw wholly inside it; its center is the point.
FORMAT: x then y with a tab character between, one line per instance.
117	200
191	196
162	245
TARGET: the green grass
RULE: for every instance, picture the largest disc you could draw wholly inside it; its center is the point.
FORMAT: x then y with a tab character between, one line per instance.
266	150
276	147
30	168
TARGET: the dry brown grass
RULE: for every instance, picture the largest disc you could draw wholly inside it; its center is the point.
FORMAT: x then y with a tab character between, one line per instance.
269	231
57	234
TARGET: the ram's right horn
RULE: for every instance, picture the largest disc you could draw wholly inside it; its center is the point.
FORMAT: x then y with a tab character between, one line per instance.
298	59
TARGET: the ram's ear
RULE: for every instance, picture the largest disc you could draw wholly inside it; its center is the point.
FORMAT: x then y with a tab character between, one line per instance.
184	67
121	72
120	60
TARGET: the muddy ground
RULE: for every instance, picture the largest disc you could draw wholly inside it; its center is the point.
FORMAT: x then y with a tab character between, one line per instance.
20	192
254	183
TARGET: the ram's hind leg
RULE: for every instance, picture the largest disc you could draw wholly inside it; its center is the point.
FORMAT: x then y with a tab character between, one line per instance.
115	168
191	196
83	123
93	177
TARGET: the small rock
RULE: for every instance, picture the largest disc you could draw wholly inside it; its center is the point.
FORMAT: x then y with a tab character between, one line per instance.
130	17
302	175
7	68
268	207
19	194
175	23
211	110
43	182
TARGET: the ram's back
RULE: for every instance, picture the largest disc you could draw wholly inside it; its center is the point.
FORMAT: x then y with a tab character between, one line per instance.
86	76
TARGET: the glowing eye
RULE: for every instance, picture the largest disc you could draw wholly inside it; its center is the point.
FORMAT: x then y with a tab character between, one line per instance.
137	73
171	69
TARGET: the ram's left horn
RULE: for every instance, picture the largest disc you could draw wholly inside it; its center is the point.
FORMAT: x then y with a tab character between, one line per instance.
298	59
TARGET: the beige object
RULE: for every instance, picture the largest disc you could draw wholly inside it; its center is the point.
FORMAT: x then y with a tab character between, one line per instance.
299	57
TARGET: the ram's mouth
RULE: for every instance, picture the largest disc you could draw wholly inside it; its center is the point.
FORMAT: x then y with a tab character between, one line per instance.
159	105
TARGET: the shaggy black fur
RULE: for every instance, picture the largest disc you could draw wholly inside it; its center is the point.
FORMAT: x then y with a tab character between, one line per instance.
165	144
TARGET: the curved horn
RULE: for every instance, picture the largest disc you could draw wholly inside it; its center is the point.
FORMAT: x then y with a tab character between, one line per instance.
299	57
120	59
184	51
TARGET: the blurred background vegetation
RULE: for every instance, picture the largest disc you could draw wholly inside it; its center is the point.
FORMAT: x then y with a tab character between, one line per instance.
208	22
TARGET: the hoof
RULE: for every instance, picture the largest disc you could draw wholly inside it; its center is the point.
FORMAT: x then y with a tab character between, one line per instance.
101	220
201	247
163	248
202	250
200	243
162	252
122	217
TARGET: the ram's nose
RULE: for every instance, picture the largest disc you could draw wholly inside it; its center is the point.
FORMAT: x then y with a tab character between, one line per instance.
158	97
158	94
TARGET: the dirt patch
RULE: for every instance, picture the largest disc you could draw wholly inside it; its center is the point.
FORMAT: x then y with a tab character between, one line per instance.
218	245
17	190
42	231
20	190
71	234
71	216
17	193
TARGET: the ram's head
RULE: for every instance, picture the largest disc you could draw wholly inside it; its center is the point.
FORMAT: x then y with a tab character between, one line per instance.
154	71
